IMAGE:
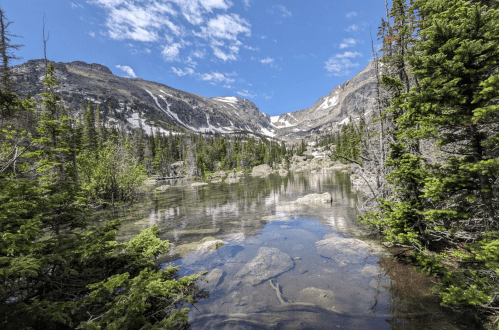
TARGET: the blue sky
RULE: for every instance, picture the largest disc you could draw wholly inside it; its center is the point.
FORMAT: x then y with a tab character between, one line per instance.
282	55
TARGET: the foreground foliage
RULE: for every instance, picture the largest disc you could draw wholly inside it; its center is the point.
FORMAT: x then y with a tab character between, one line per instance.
57	271
442	75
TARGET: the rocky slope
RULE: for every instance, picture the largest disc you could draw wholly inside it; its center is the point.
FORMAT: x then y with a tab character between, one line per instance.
140	103
354	98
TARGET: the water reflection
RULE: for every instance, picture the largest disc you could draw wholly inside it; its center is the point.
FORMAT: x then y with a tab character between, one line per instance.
320	292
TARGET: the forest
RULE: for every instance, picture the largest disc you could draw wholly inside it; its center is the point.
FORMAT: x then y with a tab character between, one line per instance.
429	155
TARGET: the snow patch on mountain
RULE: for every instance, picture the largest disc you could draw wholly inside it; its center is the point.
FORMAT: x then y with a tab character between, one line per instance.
135	119
170	113
267	132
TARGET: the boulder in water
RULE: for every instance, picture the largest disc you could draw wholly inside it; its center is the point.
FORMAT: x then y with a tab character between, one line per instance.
316	198
261	170
319	297
163	187
199	184
343	250
210	281
269	263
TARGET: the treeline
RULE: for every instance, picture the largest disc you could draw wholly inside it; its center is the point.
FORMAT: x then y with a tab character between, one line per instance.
347	142
430	154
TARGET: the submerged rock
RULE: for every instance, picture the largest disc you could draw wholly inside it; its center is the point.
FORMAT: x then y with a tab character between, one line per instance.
199	184
370	270
319	297
283	172
343	250
206	244
269	263
210	281
316	198
232	178
211	245
163	188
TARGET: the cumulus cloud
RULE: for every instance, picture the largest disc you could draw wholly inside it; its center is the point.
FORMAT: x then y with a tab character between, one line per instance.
227	26
340	64
127	70
170	52
245	93
148	20
194	10
267	60
128	20
348	42
351	14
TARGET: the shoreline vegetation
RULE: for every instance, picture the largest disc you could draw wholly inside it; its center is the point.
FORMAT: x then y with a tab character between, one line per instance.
426	160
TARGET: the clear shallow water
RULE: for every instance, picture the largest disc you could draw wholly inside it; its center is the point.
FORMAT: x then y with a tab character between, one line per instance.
316	292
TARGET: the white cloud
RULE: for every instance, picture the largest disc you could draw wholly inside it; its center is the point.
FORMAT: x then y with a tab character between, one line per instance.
194	10
256	49
266	96
191	62
199	53
148	20
180	72
267	60
348	42
227	26
353	28
339	64
349	55
213	77
351	14
178	24
281	10
218	77
92	34
75	5
127	70
223	55
228	86
170	52
245	93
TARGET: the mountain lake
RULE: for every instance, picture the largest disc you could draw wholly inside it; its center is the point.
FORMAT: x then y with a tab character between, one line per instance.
274	263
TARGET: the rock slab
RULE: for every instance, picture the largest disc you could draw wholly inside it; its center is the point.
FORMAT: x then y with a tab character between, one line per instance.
316	198
343	250
268	263
210	281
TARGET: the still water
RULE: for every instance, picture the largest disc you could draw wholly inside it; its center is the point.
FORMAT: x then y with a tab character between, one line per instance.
286	265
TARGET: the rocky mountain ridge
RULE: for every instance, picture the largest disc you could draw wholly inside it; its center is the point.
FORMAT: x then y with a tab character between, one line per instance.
354	98
141	103
154	106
